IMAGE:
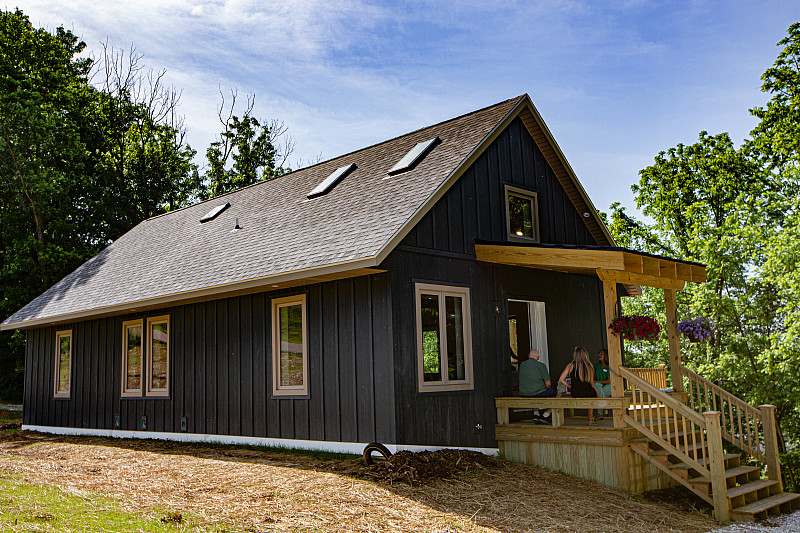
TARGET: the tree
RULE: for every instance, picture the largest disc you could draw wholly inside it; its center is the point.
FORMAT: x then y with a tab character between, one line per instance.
258	150
79	165
736	211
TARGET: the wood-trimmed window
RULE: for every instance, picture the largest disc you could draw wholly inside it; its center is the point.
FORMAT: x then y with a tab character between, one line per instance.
157	383
289	346
132	357
63	375
444	338
522	215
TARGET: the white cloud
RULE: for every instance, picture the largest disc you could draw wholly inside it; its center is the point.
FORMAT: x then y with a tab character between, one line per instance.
346	73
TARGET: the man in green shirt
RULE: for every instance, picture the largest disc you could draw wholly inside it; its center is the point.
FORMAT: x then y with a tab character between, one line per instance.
534	381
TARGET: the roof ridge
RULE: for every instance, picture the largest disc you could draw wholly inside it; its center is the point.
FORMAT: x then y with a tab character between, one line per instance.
263	182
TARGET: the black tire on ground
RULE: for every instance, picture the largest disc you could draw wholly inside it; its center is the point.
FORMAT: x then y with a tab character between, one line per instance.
375	447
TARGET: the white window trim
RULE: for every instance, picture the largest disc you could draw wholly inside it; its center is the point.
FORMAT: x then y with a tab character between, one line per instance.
149	365
56	392
534	198
442	291
132	393
277	389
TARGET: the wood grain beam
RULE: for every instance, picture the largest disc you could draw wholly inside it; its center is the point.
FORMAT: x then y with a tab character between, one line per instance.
634	278
550	257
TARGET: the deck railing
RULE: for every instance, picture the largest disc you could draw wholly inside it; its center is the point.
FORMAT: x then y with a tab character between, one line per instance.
558	405
692	437
751	429
665	420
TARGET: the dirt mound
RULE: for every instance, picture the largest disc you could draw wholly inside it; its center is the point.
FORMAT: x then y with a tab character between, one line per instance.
416	467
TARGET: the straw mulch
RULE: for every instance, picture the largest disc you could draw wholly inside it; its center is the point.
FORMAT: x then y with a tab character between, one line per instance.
244	490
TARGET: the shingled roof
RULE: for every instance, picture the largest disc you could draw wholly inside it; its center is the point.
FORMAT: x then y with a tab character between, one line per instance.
286	238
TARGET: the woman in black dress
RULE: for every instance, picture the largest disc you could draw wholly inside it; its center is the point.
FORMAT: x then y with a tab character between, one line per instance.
581	372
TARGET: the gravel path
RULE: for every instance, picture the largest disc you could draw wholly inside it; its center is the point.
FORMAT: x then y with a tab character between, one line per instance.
779	524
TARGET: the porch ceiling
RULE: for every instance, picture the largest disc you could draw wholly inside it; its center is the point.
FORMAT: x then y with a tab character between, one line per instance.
609	264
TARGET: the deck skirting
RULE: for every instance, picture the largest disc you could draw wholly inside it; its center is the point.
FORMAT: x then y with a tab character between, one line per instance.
598	454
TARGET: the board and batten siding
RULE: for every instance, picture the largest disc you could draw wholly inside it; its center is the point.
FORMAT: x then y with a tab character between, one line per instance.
220	369
574	306
440	250
474	207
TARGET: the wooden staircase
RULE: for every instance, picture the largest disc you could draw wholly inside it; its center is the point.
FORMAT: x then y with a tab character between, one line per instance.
687	446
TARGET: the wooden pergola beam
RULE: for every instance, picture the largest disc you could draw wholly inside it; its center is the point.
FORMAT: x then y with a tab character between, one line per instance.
547	258
648	280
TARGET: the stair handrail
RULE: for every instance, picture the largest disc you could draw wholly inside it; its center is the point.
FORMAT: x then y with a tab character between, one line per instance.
666	431
742	424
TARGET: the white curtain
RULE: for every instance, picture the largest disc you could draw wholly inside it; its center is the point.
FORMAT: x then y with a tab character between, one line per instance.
539	330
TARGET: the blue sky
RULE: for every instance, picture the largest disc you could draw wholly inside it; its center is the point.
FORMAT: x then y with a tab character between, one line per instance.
616	82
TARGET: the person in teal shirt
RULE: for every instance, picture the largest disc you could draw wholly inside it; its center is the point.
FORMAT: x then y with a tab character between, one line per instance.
602	379
534	381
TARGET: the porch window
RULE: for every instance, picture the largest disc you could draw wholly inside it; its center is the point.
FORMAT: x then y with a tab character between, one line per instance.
522	215
132	344
289	346
63	364
444	338
158	356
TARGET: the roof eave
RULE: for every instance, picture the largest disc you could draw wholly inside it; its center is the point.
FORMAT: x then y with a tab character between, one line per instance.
295	278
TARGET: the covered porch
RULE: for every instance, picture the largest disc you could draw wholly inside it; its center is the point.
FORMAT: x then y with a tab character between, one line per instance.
668	427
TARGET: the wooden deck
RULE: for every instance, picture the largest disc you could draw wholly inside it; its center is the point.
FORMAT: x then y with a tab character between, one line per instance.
598	452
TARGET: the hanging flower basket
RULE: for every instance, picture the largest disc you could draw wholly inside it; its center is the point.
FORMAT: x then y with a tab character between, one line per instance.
636	328
699	329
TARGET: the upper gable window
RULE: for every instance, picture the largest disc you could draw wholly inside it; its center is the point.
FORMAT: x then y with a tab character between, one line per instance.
522	215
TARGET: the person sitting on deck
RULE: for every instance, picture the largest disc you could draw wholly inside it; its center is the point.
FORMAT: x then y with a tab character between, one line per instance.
602	381
534	381
581	373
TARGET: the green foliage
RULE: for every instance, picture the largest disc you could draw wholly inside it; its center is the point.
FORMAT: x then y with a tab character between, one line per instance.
251	145
79	165
735	210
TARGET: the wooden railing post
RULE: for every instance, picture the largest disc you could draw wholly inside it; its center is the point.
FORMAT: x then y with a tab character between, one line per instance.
502	416
771	444
614	348
716	463
673	340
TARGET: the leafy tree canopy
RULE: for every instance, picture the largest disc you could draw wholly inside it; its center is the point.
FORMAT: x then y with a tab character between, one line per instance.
735	209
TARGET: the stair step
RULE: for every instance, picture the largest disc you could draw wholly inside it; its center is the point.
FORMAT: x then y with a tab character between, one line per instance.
730	473
750	487
749	511
703	462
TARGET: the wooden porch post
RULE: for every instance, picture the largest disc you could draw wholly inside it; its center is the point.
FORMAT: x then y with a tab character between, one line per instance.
614	348
673	339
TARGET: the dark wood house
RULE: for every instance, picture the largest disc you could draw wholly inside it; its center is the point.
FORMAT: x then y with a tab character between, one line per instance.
385	295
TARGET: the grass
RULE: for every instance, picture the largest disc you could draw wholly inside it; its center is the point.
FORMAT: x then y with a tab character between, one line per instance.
26	506
9	417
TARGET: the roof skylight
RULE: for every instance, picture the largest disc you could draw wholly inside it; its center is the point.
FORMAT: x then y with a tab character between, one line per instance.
211	215
414	156
331	180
